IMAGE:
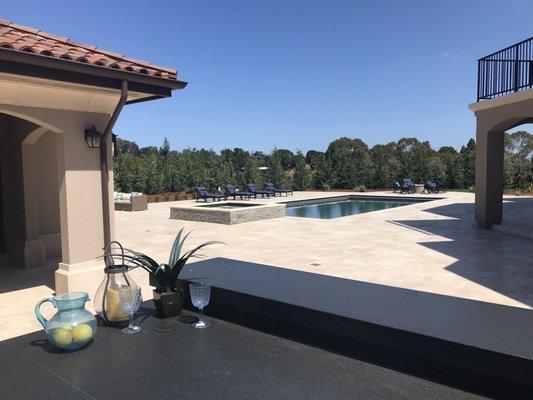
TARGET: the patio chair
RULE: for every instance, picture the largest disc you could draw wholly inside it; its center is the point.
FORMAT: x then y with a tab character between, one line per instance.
432	186
202	193
231	191
408	186
262	193
396	187
273	188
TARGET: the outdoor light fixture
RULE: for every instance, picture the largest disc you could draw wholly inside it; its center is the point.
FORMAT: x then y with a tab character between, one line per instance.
93	137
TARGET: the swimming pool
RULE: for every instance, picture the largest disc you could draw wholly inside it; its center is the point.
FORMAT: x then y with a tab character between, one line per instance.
345	206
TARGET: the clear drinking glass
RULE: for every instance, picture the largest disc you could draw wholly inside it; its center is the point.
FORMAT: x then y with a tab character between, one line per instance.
130	301
200	295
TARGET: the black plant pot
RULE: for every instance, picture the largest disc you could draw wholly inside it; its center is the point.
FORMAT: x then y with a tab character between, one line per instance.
168	304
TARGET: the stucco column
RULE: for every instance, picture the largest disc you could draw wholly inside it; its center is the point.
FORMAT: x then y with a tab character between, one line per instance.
489	177
81	217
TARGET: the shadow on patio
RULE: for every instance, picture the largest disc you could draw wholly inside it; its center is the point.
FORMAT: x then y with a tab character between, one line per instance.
499	261
18	278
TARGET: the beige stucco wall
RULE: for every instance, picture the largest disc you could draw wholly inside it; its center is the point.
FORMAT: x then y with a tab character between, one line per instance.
47	183
73	191
13	132
493	118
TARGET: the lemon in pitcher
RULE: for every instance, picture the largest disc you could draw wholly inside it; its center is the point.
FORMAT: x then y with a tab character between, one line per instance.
82	333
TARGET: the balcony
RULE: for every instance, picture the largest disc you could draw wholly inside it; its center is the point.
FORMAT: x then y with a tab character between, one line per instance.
506	71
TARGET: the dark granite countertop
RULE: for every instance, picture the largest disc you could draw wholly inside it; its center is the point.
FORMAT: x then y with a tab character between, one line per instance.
225	361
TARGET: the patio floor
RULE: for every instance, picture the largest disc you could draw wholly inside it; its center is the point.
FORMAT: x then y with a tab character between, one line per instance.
429	247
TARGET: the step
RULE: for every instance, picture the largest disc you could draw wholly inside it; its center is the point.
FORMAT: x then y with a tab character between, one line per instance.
480	347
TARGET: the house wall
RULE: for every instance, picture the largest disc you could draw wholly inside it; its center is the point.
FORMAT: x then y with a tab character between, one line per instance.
76	184
493	118
47	184
20	251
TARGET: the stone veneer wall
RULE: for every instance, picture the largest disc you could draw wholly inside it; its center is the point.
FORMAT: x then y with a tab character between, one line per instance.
228	216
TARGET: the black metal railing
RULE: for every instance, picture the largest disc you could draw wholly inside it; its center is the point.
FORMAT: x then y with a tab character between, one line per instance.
505	71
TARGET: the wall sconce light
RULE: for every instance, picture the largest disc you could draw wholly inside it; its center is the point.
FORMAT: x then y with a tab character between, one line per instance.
93	137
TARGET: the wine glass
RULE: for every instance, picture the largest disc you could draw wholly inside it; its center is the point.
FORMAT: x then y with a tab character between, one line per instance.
130	301
200	295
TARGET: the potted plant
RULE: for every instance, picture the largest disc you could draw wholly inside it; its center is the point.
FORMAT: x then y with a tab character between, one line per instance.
168	295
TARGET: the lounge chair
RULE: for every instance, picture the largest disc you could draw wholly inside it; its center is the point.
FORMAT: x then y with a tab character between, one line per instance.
202	193
407	187
273	188
432	186
231	191
262	193
396	187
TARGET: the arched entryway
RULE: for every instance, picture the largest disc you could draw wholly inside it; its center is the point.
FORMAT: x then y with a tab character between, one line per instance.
29	193
495	117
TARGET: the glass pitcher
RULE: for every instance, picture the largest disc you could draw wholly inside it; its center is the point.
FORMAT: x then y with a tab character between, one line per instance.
72	326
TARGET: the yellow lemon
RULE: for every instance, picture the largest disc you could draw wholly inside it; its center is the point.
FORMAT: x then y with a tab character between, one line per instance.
82	333
62	337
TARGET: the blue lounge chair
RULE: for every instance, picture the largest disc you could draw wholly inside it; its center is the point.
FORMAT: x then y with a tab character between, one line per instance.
262	193
202	193
432	186
408	186
231	191
273	188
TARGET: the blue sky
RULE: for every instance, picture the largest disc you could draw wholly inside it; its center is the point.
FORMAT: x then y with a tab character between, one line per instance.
296	74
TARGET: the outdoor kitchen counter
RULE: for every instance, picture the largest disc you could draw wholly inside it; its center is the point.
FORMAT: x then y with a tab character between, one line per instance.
225	361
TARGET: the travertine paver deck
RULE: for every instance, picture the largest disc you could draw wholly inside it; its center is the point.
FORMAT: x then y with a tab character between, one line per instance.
430	247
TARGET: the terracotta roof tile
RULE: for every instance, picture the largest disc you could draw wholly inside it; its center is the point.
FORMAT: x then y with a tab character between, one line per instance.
32	40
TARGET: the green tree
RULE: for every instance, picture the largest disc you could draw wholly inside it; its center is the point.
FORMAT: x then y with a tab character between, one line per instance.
154	175
165	149
518	167
302	173
350	162
286	158
129	174
467	159
276	174
453	172
127	147
322	172
385	165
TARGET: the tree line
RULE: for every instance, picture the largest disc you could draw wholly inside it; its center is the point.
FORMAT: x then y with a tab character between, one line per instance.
345	164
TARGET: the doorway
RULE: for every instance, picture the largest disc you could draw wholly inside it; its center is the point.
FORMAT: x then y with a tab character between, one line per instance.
2	225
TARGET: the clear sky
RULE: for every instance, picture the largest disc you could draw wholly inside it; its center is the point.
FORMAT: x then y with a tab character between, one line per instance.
296	74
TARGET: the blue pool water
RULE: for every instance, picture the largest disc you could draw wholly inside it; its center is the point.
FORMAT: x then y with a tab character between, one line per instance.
344	207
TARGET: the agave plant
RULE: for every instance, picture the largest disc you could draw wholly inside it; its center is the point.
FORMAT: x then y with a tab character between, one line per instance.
166	275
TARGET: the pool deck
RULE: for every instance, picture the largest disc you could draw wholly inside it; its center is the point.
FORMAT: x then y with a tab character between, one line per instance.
431	248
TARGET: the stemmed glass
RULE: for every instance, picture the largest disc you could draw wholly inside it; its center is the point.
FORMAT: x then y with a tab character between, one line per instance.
130	301
200	295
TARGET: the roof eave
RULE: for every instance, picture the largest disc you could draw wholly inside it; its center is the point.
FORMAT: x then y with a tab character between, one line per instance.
40	66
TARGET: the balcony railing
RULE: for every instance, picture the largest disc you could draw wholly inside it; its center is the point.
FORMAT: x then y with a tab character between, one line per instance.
506	71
